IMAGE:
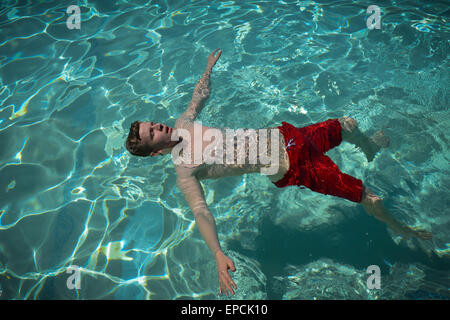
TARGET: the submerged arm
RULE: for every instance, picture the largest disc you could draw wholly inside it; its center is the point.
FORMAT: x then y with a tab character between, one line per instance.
202	89
193	193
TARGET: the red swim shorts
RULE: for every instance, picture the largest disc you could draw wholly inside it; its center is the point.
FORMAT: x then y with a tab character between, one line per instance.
309	166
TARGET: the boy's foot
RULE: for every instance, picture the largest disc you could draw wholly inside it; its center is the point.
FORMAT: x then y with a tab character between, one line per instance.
378	140
374	206
370	146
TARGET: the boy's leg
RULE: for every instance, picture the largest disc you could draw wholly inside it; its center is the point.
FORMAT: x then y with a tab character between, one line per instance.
374	206
370	146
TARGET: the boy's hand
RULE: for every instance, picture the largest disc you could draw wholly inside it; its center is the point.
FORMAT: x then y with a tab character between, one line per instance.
223	264
212	59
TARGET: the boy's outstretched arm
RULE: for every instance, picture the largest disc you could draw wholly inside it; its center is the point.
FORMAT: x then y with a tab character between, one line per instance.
202	88
193	193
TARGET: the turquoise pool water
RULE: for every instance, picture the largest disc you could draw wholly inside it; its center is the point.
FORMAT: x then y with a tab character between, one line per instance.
71	195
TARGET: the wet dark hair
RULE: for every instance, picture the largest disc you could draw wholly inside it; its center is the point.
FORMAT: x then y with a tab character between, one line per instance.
134	144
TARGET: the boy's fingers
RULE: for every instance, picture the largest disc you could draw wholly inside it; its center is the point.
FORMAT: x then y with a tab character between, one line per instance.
229	289
229	280
224	289
230	283
226	280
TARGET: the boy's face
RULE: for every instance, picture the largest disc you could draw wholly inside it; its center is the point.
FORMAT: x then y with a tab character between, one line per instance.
156	136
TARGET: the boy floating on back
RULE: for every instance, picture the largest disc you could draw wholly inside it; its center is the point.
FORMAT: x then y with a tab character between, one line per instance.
293	158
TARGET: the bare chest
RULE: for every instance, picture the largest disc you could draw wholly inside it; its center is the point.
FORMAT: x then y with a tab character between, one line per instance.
208	153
